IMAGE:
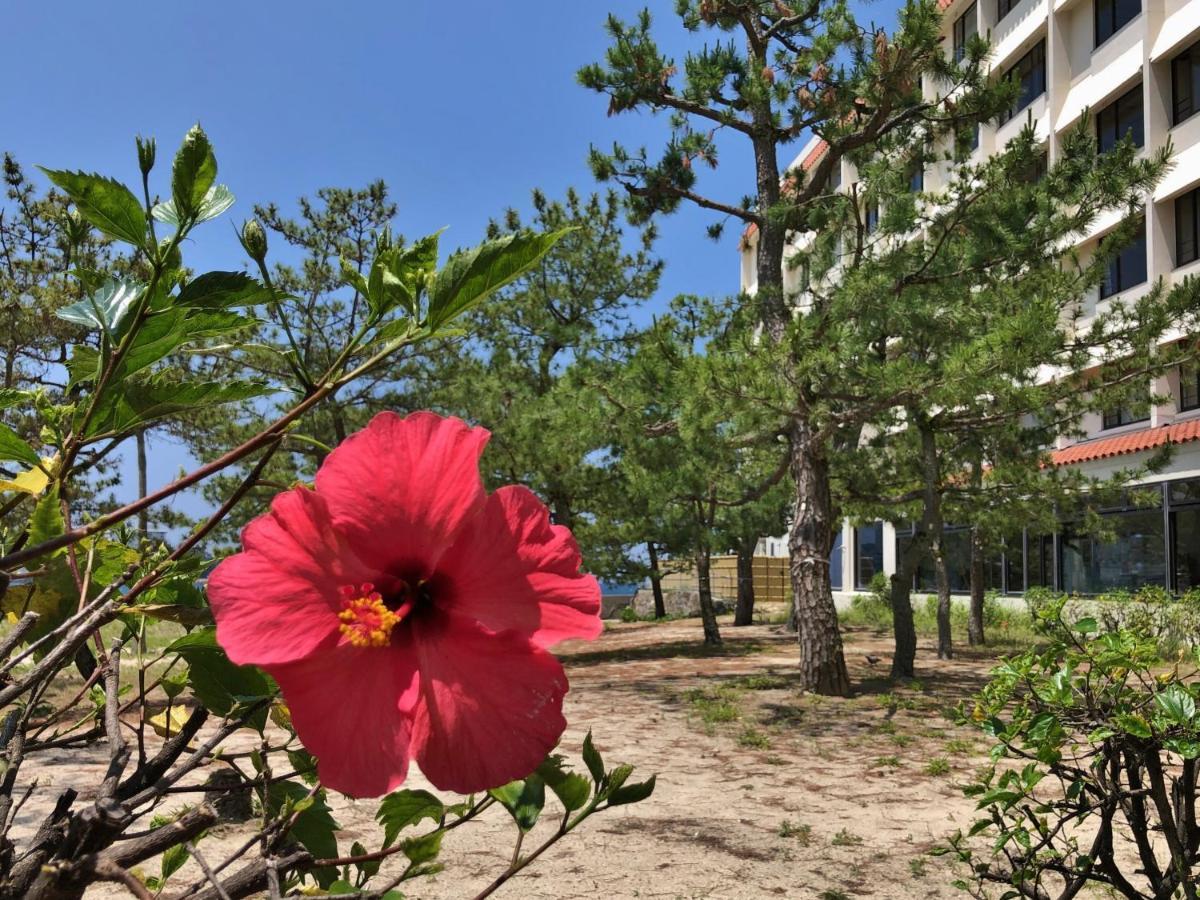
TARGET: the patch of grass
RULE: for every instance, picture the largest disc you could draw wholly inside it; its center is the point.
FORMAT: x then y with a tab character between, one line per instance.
753	739
845	838
887	762
799	830
939	765
959	747
916	867
833	894
887	726
713	706
901	740
763	682
774	760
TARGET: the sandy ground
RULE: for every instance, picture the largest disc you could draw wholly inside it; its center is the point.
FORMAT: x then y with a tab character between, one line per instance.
762	791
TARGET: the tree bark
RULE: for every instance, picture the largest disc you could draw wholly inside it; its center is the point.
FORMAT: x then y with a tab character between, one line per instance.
975	615
144	515
810	539
744	614
660	606
708	614
903	627
945	636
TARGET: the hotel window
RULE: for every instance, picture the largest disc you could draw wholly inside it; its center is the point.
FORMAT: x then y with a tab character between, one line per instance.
835	563
868	554
1030	73
965	28
1185	83
1189	387
1120	118
1128	412
1004	7
1113	15
871	219
916	176
1187	227
1128	268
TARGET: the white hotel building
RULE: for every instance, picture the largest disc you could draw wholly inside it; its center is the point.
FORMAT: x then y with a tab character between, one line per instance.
1136	65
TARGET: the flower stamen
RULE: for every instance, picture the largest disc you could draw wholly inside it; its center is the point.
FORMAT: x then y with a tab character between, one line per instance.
366	620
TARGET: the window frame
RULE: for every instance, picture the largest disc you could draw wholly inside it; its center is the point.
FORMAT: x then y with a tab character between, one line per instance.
1189	374
1004	7
1116	285
1190	57
1037	50
1180	214
1114	110
960	35
1113	23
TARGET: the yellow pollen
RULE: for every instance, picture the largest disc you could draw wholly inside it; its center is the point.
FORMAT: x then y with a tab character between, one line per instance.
367	622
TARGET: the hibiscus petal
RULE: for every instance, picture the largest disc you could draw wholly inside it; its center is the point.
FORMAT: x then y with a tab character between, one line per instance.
351	709
512	569
402	488
490	705
277	601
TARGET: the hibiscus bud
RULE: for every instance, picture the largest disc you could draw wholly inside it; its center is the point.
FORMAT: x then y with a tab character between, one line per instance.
254	240
145	151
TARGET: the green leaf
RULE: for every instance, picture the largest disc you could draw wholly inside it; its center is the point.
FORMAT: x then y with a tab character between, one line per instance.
341	887
423	849
592	759
172	860
106	203
632	793
315	826
193	173
106	309
188	616
222	290
218	199
401	809
47	519
217	683
128	405
571	788
523	800
469	277
13	446
1087	625
1177	704
1135	725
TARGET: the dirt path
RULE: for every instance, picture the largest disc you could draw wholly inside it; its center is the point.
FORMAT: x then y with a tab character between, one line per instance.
762	792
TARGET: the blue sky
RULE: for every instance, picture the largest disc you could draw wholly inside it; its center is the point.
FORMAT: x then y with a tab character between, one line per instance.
462	108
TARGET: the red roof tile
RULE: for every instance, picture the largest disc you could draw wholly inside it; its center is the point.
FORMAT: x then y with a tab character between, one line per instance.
1131	442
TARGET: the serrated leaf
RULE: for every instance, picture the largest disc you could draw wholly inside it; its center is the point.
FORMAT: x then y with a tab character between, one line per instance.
404	808
222	290
13	446
524	800
218	683
592	759
172	859
193	172
133	403
106	309
315	826
105	202
31	481
47	520
423	849
571	788
1177	704
469	277
168	722
632	793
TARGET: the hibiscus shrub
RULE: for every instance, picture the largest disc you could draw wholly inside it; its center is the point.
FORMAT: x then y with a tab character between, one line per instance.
394	612
1092	785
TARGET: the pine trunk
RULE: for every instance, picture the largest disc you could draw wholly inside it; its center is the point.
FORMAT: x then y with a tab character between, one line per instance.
660	606
744	614
822	663
945	635
975	616
903	626
708	613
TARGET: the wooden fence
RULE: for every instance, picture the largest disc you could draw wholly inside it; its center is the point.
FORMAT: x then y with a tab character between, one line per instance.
771	581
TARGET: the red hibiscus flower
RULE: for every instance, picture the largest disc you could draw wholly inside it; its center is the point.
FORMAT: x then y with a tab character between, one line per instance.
406	612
